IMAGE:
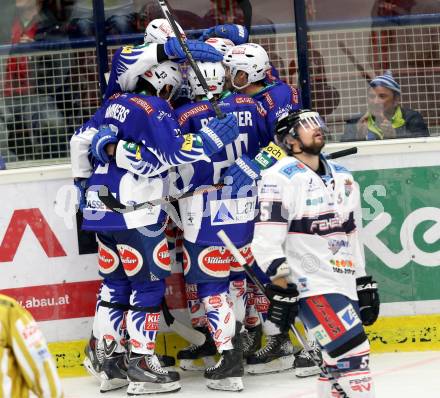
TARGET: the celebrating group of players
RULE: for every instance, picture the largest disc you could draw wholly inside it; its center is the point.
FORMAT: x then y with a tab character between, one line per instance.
157	134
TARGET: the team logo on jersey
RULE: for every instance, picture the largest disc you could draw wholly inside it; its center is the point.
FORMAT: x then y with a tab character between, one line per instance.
215	261
127	50
131	259
108	260
152	321
186	261
348	187
161	255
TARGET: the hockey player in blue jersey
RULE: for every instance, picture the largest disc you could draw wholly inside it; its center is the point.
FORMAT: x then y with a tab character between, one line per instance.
206	262
247	66
132	264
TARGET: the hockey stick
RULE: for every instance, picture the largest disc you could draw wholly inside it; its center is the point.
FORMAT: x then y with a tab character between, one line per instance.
114	204
253	277
341	153
191	335
181	37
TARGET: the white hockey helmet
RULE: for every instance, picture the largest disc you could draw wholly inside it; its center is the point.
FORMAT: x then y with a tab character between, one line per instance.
214	74
158	31
220	44
250	58
167	72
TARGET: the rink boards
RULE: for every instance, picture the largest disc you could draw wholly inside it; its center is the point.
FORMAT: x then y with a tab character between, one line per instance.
399	181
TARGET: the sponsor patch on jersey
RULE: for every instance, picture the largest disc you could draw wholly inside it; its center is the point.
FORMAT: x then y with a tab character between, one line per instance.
152	321
215	301
187	142
349	317
195	308
186	261
161	255
246	252
244	100
321	335
131	259
127	50
302	285
192	112
215	261
295	95
291	169
114	96
334	245
274	151
108	260
261	303
143	104
232	211
269	100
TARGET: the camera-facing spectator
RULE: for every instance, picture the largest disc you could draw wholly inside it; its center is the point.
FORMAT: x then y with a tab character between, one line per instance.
385	117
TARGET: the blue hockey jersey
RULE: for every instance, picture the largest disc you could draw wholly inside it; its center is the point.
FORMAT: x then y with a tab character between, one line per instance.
150	122
278	98
204	215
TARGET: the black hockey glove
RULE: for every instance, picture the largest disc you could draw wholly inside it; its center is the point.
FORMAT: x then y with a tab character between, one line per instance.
283	305
369	302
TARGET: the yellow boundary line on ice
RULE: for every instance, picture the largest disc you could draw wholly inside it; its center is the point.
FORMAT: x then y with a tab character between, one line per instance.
390	334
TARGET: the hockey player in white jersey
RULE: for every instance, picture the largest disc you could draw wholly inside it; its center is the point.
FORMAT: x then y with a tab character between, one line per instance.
307	242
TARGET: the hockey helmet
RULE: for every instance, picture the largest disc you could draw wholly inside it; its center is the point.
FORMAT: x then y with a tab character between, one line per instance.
214	74
250	58
158	31
167	72
288	123
220	44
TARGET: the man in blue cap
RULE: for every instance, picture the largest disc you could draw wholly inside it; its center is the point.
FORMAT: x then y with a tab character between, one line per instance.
385	118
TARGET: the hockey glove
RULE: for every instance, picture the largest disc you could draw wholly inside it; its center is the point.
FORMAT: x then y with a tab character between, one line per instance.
81	186
100	140
236	33
369	301
243	173
199	50
218	133
283	305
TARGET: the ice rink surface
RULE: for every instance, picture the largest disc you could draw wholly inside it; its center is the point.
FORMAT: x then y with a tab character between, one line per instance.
396	375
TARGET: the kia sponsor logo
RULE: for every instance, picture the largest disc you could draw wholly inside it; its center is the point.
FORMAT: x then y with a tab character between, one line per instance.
151	345
131	259
227	318
135	343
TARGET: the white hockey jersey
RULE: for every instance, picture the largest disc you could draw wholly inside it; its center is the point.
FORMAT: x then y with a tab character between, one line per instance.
309	221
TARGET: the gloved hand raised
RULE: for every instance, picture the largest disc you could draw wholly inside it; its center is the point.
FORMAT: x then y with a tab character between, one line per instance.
104	136
283	305
369	302
199	50
243	172
236	33
218	133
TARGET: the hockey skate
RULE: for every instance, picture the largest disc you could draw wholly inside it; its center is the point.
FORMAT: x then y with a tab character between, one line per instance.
146	376
251	340
188	356
114	372
227	373
94	357
304	365
275	356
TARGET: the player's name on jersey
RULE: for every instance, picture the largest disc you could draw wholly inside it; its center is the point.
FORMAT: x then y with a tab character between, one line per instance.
244	118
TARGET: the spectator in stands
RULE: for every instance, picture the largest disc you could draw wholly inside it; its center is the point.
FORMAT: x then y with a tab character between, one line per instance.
120	18
33	86
27	364
385	117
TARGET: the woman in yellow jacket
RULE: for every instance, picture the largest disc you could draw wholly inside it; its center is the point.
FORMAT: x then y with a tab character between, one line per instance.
25	361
